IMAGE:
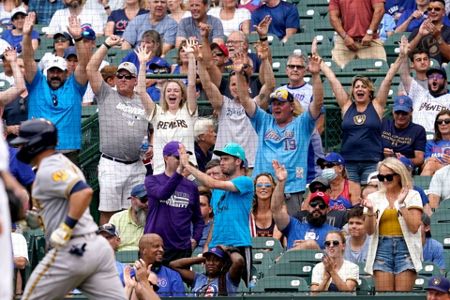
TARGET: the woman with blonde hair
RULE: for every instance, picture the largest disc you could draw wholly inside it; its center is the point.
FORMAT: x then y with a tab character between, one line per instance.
177	10
119	18
393	217
232	17
174	117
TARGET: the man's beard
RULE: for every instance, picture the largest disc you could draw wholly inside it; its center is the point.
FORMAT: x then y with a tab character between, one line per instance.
141	216
316	221
439	91
75	4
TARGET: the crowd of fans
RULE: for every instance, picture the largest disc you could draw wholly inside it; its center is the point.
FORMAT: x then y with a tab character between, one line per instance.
256	166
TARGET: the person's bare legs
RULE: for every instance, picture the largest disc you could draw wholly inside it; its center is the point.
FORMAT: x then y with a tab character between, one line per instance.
384	281
404	282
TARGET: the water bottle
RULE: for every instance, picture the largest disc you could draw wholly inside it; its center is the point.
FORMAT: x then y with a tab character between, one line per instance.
252	283
144	147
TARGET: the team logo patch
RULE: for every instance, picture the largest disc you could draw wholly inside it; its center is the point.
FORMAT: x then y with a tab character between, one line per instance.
359	119
60	175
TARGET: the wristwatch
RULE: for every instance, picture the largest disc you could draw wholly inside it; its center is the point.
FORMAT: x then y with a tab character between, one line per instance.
369	32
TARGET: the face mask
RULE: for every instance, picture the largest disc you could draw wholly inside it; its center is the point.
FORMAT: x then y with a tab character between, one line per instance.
329	174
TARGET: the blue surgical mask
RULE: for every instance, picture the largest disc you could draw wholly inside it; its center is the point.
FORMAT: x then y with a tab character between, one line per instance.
329	174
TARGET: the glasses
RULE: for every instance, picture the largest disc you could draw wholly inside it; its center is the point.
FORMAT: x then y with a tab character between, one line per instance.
61	40
401	113
296	67
220	54
334	243
387	177
436	9
143	199
317	203
436	76
127	77
443	121
327	165
55	100
319	188
266	185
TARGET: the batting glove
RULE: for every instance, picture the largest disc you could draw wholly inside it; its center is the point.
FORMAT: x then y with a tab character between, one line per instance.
61	236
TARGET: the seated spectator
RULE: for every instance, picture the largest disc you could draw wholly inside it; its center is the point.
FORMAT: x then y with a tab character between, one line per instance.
76	8
212	169
357	241
21	171
118	19
433	250
71	57
437	152
333	170
110	233
372	181
7	8
223	271
14	36
400	136
386	27
438	288
310	234
109	75
232	17
237	42
396	7
207	213
334	273
20	252
130	223
439	188
261	218
61	41
284	16
156	19
143	284
160	66
177	10
191	26
412	18
428	37
205	139
420	63
392	220
44	9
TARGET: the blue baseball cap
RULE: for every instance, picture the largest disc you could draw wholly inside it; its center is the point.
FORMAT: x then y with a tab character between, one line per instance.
407	162
403	103
71	50
109	228
88	33
217	252
439	283
139	191
159	63
232	149
331	157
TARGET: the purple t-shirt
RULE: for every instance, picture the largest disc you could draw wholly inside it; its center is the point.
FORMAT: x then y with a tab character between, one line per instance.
173	205
121	20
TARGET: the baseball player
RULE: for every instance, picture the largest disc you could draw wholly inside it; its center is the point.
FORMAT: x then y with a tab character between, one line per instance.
79	258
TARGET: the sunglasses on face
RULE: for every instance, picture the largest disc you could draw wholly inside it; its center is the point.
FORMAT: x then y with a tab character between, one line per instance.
327	165
266	185
321	205
296	67
319	188
143	199
220	54
387	177
436	76
61	40
436	9
334	243
401	113
127	77
443	121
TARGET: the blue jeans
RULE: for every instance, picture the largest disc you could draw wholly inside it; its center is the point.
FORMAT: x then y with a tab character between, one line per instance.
392	255
359	171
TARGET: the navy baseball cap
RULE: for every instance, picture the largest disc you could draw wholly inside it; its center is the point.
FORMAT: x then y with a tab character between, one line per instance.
217	252
438	70
439	283
159	64
69	51
331	157
171	149
139	191
88	33
109	229
403	103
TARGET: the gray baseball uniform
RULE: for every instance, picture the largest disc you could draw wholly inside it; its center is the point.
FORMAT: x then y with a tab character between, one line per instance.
87	261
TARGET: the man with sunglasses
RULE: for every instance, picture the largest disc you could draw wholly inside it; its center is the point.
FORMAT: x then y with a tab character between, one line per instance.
130	222
400	136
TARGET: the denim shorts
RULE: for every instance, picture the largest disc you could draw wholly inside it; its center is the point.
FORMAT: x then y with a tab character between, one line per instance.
392	255
359	171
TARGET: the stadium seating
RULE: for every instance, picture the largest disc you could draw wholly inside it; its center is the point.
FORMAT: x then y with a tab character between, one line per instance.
275	285
293	269
306	256
271	245
129	256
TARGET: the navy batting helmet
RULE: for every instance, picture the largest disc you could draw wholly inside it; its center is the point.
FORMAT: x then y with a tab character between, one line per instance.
34	137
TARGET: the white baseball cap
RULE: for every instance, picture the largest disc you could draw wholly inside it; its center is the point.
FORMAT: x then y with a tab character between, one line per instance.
128	66
18	10
57	62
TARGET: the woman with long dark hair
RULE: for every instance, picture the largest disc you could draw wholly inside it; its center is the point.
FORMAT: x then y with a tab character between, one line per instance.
223	271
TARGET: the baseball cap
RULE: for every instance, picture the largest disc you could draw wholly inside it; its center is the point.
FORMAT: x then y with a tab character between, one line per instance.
128	66
372	178
439	283
439	70
281	95
71	50
171	149
88	33
407	162
57	62
319	181
18	10
232	149
159	63
217	252
109	229
65	35
139	191
403	103
331	157
320	195
221	47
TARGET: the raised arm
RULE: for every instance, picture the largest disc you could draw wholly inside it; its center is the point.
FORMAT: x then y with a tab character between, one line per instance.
94	75
279	210
28	51
266	70
182	266
341	95
84	52
211	90
192	74
317	102
147	101
214	72
19	83
417	14
243	95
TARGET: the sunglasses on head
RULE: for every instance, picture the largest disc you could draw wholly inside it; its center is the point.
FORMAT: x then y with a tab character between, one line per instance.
327	165
266	185
334	243
127	77
321	205
387	177
296	67
443	121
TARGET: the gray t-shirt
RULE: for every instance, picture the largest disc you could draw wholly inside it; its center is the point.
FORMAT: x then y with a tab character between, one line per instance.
356	257
188	28
123	124
167	28
55	179
422	83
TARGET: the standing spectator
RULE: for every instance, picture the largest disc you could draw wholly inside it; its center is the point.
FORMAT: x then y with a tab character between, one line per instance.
356	25
284	16
439	188
61	41
237	42
232	17
420	63
393	218
437	153
20	252
45	10
173	207
158	20
300	235
130	222
362	111
120	167
433	250
207	214
118	19
21	171
400	136
357	242
174	117
438	288
411	19
57	97
205	139
190	27
334	273
231	202
75	9
14	36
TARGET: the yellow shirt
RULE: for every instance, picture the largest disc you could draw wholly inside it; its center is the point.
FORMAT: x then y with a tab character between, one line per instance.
129	231
389	224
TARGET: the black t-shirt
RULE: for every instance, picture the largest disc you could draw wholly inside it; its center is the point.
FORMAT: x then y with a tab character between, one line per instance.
336	218
404	141
430	44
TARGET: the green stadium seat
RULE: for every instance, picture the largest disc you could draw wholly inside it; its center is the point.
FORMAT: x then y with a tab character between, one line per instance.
366	66
429	269
269	244
297	269
444	204
309	256
422	181
275	285
262	261
441	232
171	56
420	283
129	256
440	216
365	286
286	50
